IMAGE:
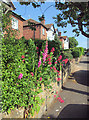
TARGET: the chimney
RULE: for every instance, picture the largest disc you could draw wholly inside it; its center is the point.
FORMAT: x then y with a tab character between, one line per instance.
43	22
59	33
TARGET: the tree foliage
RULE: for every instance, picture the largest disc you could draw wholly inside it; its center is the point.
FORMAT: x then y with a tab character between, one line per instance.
72	42
74	13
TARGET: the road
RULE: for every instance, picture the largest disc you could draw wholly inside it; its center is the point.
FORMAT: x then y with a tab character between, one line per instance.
75	94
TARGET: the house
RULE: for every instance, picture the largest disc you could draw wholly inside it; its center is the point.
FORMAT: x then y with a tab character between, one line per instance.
17	24
8	6
16	21
50	31
65	42
34	30
57	32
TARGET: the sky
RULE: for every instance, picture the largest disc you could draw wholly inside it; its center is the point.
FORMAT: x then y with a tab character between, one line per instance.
28	12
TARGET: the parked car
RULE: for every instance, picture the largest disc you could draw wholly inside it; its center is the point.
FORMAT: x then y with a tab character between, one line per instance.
87	54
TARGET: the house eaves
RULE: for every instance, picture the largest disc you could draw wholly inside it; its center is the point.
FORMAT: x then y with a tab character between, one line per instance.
48	26
25	23
17	16
8	4
63	37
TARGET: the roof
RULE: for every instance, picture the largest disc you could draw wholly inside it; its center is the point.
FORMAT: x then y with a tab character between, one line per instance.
56	30
64	37
17	16
25	23
48	26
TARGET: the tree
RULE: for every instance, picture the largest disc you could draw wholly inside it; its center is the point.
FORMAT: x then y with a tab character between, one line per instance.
74	13
72	42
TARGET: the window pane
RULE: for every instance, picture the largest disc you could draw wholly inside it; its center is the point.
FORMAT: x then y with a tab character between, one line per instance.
14	23
43	31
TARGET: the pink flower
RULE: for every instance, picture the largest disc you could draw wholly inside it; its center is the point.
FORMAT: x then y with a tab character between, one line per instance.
49	59
23	60
54	95
39	63
37	48
40	78
55	62
45	52
58	98
50	67
54	68
56	92
49	63
62	101
32	74
58	73
20	76
58	79
16	83
37	52
66	60
53	49
59	58
23	56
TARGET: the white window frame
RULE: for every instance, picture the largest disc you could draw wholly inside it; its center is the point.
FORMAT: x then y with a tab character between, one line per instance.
14	23
43	31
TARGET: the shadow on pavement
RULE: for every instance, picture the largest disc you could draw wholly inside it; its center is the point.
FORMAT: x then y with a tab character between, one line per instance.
82	77
86	62
74	90
74	111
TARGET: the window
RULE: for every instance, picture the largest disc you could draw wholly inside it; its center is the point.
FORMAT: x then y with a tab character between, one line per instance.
14	23
43	31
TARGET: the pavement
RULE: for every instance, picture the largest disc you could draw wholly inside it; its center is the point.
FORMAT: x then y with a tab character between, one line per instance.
75	94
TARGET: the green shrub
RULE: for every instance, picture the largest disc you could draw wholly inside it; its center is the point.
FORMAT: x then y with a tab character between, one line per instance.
81	50
76	52
67	54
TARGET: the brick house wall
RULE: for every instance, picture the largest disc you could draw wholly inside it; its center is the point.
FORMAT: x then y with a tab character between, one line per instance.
43	36
31	34
20	28
62	40
19	31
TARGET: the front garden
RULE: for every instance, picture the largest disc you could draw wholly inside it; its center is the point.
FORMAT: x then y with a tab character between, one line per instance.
26	65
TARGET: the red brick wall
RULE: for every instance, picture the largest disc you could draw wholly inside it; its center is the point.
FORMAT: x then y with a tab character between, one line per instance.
28	33
20	28
43	36
19	32
62	40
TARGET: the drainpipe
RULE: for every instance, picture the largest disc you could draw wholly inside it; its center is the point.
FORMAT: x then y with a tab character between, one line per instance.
40	31
34	34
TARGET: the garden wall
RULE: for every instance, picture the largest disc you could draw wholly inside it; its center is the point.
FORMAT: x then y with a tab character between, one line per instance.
49	96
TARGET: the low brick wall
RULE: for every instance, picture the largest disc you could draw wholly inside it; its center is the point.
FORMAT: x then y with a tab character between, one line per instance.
49	96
